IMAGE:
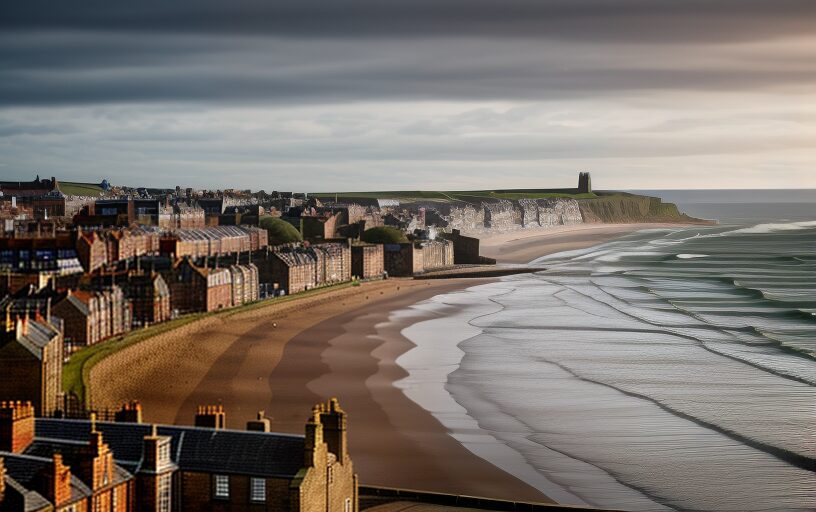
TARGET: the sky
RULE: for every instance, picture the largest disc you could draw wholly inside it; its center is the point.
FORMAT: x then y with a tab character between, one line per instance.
338	95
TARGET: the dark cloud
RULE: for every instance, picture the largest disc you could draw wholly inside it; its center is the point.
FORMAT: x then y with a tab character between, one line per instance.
622	20
69	68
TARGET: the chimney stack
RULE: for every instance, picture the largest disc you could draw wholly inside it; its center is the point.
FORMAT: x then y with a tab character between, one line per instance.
262	424
2	480
130	412
314	437
211	416
56	482
333	419
16	426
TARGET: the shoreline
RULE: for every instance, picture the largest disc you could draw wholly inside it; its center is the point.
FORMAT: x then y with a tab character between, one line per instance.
283	358
523	246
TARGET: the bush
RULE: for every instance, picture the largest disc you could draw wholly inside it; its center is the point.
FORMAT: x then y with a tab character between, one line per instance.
280	231
384	235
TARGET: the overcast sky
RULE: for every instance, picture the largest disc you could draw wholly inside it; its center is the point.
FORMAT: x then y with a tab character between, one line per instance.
410	94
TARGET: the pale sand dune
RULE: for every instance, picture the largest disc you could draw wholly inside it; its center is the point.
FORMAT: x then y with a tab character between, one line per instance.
285	357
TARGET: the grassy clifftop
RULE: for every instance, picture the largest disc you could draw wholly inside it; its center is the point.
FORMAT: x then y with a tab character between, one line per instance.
628	208
609	207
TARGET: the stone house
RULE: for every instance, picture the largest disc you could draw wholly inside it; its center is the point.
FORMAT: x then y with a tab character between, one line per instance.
292	268
245	284
367	261
465	248
411	258
196	289
132	466
125	244
93	316
31	354
148	293
332	263
46	475
91	250
53	255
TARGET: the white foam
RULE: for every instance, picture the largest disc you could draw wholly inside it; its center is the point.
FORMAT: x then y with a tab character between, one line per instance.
691	256
775	227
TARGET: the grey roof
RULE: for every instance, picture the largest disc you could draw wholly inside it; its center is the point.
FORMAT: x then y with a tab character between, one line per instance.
31	500
192	448
81	306
25	468
38	336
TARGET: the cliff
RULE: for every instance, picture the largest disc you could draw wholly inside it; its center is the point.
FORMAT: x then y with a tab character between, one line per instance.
629	208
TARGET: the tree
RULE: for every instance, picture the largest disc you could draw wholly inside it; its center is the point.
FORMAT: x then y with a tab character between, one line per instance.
280	231
384	235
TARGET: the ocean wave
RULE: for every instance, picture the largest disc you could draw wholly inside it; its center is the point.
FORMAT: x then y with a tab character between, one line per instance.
691	256
762	229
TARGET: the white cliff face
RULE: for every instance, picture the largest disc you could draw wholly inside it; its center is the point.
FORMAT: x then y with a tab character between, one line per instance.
466	219
559	212
504	215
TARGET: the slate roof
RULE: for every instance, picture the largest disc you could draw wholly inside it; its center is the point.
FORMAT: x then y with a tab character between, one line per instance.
23	469
192	449
31	500
37	337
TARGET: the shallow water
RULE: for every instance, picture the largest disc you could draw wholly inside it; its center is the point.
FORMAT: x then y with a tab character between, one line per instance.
669	369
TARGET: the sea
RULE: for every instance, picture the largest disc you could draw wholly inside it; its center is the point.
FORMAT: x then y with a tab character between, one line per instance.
668	369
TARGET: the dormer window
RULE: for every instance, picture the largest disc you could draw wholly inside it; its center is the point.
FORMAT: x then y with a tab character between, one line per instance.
164	454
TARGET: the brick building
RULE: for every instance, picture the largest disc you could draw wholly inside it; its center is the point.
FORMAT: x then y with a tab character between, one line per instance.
245	284
148	293
198	289
126	467
291	268
465	248
91	250
415	257
367	261
93	316
31	353
211	242
332	263
125	244
51	475
55	255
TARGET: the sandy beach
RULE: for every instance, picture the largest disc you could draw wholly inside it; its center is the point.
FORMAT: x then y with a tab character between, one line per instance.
285	357
525	245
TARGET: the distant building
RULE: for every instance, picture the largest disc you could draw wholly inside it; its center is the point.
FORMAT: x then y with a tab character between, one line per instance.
584	183
37	187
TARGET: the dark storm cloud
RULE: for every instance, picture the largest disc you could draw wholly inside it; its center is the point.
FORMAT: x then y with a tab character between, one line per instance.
621	20
290	52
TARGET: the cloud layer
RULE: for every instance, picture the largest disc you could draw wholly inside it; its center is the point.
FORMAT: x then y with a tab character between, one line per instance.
321	95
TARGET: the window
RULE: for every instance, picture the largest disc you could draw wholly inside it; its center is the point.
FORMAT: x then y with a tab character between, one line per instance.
114	499
164	493
221	486
258	489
